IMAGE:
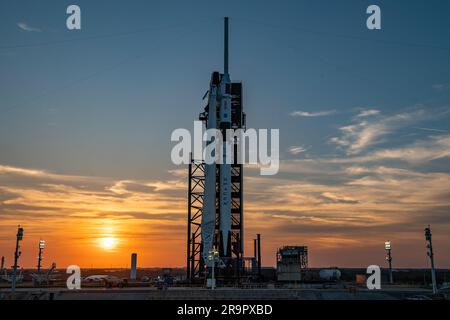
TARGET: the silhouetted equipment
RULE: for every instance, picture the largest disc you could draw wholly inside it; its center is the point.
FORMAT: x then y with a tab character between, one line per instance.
258	241
255	257
133	272
292	261
2	264
388	248
215	195
17	254
46	278
431	256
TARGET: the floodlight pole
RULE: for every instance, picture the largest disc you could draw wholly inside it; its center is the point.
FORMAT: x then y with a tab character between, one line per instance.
41	247
212	256
431	255
391	278
389	260
16	258
213	280
39	261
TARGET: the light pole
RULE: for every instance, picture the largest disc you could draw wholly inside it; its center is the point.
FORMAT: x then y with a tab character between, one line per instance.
17	254
431	255
41	247
212	256
388	248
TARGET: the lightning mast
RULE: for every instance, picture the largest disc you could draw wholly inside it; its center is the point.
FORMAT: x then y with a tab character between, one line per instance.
225	167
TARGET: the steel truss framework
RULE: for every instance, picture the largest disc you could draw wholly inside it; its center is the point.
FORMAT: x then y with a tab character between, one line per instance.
196	183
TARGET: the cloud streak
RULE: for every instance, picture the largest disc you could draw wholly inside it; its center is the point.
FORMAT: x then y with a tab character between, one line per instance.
26	27
421	151
368	113
357	137
297	150
307	114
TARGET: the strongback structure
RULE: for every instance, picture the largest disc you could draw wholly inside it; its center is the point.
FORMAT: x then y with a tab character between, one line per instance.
215	201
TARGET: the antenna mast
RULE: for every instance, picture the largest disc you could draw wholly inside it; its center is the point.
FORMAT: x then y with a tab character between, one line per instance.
225	56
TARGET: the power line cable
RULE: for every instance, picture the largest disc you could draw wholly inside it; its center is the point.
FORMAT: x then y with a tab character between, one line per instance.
94	37
344	36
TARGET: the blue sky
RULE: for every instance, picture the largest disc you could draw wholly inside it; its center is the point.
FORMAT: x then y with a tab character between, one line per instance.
103	101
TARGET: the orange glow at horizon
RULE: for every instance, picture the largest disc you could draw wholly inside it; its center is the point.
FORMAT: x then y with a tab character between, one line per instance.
99	222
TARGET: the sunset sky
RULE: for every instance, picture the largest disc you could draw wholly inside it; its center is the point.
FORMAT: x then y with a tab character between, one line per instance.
86	118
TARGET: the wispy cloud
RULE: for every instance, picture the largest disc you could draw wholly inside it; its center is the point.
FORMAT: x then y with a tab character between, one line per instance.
342	205
307	114
26	27
365	133
441	86
421	151
426	150
368	113
431	130
336	198
21	171
297	150
359	136
81	209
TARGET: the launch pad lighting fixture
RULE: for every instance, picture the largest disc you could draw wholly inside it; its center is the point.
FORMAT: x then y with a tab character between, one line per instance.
213	256
41	244
387	245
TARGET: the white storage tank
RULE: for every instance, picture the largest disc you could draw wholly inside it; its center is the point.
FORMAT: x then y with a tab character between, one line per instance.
330	274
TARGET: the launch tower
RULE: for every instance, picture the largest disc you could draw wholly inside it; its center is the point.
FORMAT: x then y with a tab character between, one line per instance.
215	201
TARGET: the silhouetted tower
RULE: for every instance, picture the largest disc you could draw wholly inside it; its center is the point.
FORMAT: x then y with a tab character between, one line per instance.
431	256
17	254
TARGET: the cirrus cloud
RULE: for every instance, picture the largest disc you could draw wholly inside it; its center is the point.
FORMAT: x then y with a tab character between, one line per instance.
26	27
307	114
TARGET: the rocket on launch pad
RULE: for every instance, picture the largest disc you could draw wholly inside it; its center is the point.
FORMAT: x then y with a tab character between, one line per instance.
219	117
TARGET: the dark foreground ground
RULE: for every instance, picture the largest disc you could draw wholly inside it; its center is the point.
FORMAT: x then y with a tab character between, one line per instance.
185	293
411	284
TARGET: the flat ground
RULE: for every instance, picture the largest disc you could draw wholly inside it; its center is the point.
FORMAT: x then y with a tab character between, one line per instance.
186	293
